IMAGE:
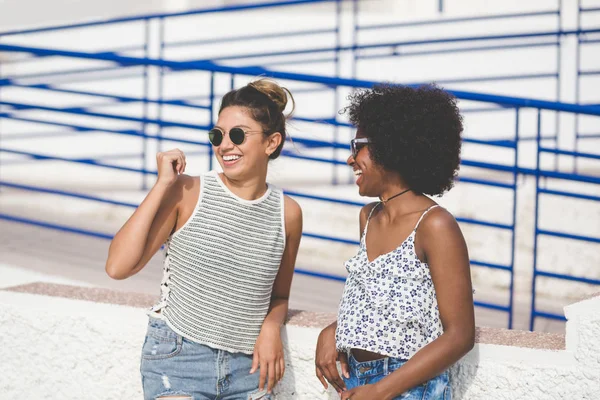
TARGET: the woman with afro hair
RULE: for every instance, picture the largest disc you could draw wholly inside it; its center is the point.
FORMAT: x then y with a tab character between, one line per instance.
406	314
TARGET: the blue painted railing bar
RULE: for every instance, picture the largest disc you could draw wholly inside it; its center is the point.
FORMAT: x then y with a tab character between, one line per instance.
83	111
569	194
331	239
492	306
277	63
570	153
327	121
194	42
403	53
484	182
166	15
76	161
121	99
77	128
570	177
67	194
36	135
567	236
21	161
489	78
128	132
484	223
76	71
548	315
63	228
568	277
355	47
454	20
491	265
256	71
510	144
307	272
291	154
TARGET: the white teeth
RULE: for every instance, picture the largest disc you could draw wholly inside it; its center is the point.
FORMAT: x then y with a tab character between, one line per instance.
231	158
357	172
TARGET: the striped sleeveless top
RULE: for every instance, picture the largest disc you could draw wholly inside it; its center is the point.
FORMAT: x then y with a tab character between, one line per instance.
220	267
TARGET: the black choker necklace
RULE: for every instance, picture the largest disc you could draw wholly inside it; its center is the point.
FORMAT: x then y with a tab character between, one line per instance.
396	195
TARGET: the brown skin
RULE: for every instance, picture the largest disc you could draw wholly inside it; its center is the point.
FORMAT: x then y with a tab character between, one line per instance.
440	243
171	202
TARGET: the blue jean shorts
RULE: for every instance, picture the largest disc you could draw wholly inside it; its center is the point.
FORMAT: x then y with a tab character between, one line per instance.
175	366
368	372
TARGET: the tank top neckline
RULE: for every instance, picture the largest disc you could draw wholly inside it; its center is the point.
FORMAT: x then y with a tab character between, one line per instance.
218	178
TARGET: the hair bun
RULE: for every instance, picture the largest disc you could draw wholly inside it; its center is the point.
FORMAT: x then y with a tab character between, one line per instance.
277	94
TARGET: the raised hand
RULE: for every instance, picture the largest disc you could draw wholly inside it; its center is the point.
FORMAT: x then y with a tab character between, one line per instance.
170	164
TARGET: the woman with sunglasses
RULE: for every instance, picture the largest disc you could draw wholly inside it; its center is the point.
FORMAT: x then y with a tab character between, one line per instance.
231	244
406	313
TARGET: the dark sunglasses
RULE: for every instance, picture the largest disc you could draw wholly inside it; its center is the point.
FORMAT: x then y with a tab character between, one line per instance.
357	144
236	135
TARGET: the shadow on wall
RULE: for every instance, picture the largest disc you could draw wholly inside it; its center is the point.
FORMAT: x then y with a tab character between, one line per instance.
461	380
289	378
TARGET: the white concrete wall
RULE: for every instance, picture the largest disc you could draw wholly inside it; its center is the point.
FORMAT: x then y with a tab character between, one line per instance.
501	372
58	348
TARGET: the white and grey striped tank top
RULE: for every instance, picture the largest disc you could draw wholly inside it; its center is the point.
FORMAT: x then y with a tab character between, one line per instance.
220	267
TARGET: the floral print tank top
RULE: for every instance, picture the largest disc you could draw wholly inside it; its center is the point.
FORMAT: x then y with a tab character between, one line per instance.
389	305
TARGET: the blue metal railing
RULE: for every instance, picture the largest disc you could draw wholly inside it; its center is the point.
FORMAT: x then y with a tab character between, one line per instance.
592	44
358	28
112	21
167	67
539	232
514	169
354	47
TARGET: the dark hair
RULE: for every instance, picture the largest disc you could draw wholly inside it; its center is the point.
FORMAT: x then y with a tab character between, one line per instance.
415	131
266	101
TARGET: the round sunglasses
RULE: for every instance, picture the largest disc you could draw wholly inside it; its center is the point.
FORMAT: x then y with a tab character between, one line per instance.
236	135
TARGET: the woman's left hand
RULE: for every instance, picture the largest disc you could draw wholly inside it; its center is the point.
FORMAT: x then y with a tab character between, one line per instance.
268	355
365	392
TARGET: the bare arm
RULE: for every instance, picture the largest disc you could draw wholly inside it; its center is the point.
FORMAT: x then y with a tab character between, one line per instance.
326	353
283	282
448	261
151	223
268	353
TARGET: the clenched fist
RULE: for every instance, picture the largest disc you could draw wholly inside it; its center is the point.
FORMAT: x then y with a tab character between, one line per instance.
170	164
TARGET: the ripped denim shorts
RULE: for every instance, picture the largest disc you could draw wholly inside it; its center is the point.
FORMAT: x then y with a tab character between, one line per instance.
177	368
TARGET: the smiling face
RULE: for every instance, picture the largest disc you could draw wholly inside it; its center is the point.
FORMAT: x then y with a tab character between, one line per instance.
370	177
251	156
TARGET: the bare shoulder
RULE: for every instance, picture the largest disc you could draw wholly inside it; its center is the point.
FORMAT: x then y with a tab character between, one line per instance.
293	216
437	223
366	210
185	190
293	211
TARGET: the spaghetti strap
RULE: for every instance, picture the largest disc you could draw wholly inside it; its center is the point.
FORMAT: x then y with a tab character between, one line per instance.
369	218
423	215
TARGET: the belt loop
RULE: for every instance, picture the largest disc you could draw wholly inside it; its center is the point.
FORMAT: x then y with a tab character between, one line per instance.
385	366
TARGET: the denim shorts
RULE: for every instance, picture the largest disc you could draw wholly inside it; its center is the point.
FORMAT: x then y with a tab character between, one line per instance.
368	372
173	365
